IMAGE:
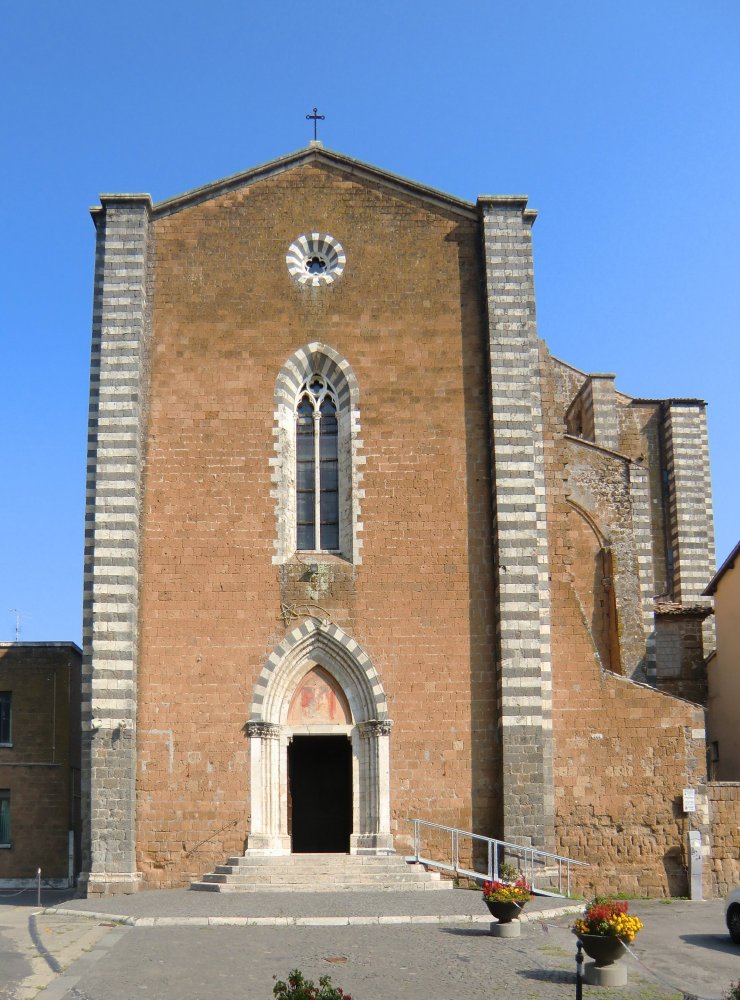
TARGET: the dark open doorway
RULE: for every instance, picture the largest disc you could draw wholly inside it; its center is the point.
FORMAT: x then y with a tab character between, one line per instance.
320	775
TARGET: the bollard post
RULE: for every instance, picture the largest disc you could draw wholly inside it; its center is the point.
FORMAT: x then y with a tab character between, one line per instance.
38	888
579	972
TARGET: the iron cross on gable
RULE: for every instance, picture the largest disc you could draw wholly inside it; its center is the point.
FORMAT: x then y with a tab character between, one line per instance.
316	118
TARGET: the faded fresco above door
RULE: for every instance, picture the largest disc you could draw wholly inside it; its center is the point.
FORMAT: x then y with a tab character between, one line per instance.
319	700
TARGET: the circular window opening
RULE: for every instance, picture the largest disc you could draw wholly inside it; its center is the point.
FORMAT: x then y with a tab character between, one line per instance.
316	265
315	259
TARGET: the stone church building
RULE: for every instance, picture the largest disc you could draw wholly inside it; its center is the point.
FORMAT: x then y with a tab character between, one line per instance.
359	550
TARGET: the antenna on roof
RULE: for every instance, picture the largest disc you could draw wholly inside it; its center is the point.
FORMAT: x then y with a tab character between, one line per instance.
18	616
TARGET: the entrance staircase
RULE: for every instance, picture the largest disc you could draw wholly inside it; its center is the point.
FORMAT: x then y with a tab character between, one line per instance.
319	873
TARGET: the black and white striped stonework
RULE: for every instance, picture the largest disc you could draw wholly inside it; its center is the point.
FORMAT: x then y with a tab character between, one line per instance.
520	524
352	666
690	503
114	480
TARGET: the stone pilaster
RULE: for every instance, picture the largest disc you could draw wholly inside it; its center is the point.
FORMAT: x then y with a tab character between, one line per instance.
642	533
690	514
120	339
268	752
520	525
373	788
604	411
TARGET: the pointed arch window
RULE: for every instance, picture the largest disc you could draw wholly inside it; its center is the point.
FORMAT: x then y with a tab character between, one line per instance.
317	466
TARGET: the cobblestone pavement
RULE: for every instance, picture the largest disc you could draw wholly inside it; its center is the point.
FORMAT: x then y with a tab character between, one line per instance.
684	945
36	946
372	963
185	905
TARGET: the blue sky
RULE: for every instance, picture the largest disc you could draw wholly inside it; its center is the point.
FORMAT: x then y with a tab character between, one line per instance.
619	120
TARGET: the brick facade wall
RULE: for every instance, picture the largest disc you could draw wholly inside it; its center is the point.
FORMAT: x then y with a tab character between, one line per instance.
724	675
500	573
226	316
41	769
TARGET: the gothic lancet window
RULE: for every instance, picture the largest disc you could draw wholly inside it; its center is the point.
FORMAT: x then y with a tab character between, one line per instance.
317	467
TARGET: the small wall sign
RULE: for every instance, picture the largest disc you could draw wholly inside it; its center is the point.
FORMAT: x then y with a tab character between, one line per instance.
689	800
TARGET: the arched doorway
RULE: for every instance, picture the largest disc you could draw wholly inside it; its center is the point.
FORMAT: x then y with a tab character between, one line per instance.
319	765
319	747
320	794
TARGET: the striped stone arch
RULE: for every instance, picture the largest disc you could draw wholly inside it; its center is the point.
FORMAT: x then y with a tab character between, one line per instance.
317	358
338	653
321	643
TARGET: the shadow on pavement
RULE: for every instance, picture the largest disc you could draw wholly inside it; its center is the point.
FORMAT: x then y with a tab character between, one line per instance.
466	931
548	975
29	897
715	942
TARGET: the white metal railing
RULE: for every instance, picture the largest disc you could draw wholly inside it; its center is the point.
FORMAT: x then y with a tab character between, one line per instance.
548	874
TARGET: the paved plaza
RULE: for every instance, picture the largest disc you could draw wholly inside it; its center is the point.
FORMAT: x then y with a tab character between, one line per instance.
181	945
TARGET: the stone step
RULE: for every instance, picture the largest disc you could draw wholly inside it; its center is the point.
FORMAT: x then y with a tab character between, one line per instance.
334	887
223	872
381	864
318	873
325	860
309	879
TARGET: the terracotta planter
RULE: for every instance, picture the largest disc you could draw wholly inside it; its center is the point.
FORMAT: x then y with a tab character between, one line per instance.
604	949
504	912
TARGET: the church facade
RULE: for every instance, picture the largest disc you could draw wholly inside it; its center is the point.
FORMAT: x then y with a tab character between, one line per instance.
359	550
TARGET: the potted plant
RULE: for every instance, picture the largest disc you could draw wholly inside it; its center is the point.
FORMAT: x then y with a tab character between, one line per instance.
605	928
506	901
298	988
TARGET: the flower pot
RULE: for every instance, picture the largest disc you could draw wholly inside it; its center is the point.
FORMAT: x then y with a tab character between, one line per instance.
502	911
604	949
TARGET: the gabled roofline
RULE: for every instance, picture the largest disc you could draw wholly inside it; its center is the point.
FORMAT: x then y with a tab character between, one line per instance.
317	154
726	565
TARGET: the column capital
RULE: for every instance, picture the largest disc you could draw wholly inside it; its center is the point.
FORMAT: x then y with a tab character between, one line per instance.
263	730
375	727
515	204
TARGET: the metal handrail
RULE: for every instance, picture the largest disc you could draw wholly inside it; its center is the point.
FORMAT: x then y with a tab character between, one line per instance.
532	862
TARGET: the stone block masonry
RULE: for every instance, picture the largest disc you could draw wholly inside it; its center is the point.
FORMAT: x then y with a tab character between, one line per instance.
520	524
724	812
501	521
690	504
416	596
115	461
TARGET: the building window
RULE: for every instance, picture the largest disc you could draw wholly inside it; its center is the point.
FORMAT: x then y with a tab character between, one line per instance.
317	467
4	817
6	734
713	760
